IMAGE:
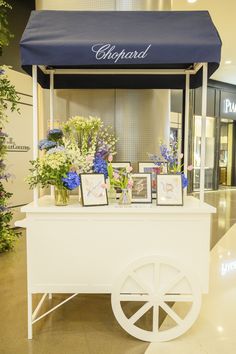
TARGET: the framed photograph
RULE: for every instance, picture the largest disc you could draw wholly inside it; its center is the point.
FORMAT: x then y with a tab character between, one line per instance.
150	167
142	188
169	190
93	192
120	165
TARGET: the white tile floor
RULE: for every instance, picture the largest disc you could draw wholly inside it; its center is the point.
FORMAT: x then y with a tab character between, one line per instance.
215	330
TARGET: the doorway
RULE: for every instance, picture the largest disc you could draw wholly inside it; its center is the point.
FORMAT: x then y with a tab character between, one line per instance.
226	152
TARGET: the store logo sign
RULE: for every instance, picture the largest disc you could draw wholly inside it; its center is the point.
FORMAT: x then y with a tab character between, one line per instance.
13	147
109	52
228	267
229	106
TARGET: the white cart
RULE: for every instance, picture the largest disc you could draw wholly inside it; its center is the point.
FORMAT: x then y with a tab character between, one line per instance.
155	257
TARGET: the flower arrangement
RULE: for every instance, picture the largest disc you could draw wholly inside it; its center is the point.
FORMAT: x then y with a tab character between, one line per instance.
119	178
8	100
81	146
173	158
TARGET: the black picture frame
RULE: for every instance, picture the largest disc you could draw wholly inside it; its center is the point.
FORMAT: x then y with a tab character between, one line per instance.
149	200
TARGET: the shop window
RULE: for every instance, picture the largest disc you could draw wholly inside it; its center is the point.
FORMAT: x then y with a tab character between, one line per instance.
210	153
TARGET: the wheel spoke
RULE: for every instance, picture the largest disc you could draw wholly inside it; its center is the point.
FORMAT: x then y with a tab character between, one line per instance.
140	282
171	313
172	283
155	318
178	298
137	315
134	297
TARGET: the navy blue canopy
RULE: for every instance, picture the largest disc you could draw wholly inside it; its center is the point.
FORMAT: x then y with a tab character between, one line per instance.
120	40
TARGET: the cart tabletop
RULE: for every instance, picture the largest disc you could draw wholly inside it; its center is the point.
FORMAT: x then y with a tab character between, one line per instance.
191	205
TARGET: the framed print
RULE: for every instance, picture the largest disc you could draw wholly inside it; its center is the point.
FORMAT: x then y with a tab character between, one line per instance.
169	190
151	167
119	165
142	188
93	191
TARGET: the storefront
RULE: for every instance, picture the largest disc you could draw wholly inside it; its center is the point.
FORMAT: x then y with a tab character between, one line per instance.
220	132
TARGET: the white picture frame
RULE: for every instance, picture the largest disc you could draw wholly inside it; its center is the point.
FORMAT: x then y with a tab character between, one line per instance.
169	190
93	191
142	188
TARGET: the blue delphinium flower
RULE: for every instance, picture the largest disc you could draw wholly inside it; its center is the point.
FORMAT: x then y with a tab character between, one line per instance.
72	180
184	180
55	134
100	166
46	144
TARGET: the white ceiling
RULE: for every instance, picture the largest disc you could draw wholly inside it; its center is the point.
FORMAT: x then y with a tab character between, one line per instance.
223	13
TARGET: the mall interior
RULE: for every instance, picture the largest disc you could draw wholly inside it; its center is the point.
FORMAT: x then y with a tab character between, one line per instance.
141	118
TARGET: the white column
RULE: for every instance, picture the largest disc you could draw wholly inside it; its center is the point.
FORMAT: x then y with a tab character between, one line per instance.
51	124
203	131
51	99
186	127
35	124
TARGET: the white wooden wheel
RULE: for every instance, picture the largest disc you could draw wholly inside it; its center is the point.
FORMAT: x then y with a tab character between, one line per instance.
170	299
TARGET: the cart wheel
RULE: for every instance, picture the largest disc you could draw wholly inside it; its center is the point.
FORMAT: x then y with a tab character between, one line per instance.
156	299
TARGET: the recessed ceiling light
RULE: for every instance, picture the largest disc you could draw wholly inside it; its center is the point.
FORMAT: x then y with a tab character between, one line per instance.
228	62
192	1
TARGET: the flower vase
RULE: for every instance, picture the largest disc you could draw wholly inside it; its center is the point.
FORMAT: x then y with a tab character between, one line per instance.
125	197
111	195
61	196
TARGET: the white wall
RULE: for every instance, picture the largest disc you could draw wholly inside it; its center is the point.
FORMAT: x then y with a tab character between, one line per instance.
75	4
19	130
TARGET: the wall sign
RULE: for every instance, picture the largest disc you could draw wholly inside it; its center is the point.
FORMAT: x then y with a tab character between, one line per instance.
109	52
228	267
13	147
228	105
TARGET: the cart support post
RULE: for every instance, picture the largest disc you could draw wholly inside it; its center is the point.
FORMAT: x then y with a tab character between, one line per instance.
51	124
35	124
186	126
30	325
203	131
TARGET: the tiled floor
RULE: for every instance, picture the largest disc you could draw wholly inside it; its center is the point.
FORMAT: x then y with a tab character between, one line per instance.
86	324
214	331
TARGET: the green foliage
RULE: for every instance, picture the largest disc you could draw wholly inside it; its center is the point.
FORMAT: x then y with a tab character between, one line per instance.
5	34
49	170
8	100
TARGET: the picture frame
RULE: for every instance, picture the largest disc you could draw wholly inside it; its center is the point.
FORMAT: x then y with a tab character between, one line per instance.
151	167
120	164
169	190
142	188
92	191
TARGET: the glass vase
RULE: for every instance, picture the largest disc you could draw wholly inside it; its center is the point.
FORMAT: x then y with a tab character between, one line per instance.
125	197
61	196
111	195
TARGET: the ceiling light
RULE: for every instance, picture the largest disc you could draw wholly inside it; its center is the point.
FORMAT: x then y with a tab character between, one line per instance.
227	62
192	1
